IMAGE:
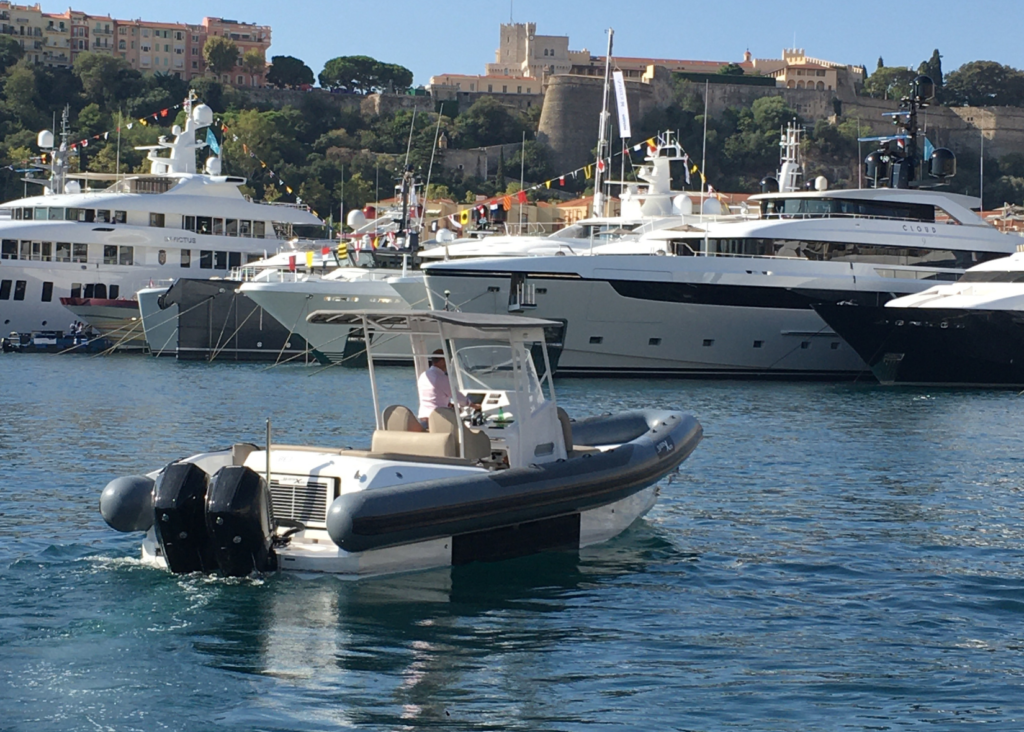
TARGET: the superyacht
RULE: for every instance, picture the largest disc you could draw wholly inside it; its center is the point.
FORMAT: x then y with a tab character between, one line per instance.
175	221
734	299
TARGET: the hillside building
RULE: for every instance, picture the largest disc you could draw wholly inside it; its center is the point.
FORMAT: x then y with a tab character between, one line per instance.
150	47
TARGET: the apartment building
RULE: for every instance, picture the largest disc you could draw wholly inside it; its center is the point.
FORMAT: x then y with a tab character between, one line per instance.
150	47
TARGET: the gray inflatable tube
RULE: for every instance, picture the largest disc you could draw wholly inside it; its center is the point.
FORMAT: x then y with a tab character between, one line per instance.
650	444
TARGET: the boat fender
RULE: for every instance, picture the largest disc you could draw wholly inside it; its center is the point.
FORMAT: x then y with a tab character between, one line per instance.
179	518
126	504
240	522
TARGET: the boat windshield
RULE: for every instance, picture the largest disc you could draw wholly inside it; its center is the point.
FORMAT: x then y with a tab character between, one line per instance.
499	368
605	232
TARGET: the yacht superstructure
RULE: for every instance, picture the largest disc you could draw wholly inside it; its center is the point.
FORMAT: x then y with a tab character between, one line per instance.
172	222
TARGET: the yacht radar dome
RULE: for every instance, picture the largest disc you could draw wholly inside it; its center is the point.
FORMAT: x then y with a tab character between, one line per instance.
711	207
202	115
923	90
682	205
213	166
769	185
356	219
821	183
942	163
45	140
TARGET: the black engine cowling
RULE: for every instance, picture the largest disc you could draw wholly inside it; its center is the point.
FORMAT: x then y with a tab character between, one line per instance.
239	520
179	505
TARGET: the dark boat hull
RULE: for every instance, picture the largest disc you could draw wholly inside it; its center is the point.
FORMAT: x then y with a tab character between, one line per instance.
938	347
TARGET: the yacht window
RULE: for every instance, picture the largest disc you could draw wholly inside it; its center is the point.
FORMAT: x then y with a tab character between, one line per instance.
80	253
204	224
250	258
109	254
992	277
26	249
244	228
5	289
26	214
56	214
76	289
42	251
218	227
8	249
188	223
281	230
811	207
205	259
259	229
63	252
126	255
19	290
87	215
71	214
47	292
103	216
40	214
156	219
120	217
100	291
16	214
186	258
234	259
220	260
115	290
231	227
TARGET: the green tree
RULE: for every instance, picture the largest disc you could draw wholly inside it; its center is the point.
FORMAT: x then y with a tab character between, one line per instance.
983	84
10	52
221	54
362	75
210	93
288	72
731	70
889	83
104	78
349	73
487	122
932	68
499	174
253	64
20	95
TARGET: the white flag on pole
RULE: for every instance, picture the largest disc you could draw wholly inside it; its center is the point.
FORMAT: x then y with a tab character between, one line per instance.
620	102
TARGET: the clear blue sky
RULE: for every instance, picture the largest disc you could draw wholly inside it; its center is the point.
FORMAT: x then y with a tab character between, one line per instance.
460	36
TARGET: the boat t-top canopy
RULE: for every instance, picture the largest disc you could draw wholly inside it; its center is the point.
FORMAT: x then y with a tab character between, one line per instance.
436	322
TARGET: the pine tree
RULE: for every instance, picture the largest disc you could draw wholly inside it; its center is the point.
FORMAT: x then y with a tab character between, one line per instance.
881	63
500	174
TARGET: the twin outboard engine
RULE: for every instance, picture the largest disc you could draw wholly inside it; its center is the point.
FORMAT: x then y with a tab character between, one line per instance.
202	524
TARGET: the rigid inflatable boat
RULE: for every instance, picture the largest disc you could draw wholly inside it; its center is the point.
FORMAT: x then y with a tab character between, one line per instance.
506	475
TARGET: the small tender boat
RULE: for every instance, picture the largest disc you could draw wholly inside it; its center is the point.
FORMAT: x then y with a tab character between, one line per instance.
508	476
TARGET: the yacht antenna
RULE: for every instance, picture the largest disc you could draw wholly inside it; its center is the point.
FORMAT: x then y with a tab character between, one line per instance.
430	168
601	141
522	172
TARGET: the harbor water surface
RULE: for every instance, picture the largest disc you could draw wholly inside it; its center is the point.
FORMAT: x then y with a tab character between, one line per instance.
833	556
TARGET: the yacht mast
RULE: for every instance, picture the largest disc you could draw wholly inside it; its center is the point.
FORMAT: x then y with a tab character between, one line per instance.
601	141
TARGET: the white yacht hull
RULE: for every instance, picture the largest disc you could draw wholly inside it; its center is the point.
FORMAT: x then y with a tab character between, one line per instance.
290	301
161	326
680	316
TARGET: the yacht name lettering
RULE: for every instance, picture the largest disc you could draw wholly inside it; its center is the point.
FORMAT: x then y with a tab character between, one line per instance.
180	239
922	229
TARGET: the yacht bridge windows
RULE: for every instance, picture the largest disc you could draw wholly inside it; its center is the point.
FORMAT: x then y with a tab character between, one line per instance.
225	227
797	207
823	251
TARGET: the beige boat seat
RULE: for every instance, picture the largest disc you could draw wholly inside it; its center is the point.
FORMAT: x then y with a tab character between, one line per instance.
398	418
403	435
444	421
563	418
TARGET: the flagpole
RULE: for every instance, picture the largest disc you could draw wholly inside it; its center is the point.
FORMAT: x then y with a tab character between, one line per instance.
598	193
704	153
117	166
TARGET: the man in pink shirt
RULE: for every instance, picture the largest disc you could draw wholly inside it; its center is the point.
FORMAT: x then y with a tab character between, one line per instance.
434	388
